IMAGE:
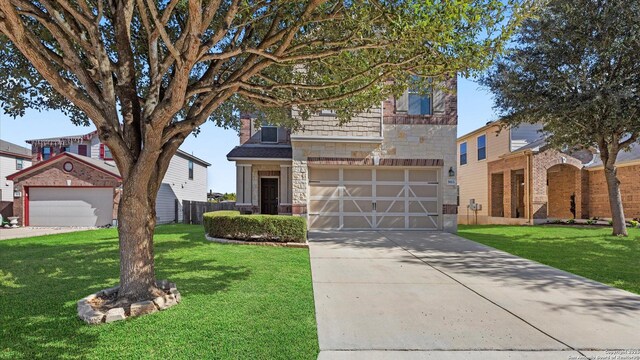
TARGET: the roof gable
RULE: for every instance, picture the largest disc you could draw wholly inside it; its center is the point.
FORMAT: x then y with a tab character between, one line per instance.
94	163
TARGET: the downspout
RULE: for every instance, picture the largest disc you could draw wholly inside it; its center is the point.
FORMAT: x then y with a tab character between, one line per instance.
530	186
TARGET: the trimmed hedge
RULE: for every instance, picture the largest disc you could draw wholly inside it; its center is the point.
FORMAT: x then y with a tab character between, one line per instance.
276	228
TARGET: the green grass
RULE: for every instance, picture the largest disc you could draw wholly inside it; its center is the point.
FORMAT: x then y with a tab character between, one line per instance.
238	302
589	252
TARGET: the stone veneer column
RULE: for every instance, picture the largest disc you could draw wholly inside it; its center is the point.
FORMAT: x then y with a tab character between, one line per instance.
300	187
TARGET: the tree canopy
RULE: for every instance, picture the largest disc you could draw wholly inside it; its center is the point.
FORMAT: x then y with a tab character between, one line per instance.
574	67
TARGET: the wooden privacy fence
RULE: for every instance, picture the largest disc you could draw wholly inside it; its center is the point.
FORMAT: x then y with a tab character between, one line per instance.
192	210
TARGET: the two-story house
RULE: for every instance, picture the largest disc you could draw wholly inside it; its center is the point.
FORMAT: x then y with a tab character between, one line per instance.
75	182
392	167
12	158
510	176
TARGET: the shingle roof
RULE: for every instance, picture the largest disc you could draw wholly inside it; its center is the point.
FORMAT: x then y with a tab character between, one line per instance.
260	152
101	164
623	156
12	148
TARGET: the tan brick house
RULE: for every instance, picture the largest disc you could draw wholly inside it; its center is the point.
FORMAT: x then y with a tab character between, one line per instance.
523	181
393	167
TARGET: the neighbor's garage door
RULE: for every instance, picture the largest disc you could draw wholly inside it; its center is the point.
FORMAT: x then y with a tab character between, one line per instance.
70	206
356	199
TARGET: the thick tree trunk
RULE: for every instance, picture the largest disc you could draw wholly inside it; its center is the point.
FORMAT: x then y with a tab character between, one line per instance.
136	223
615	201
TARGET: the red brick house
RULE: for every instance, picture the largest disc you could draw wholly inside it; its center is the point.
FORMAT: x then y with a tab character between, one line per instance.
75	182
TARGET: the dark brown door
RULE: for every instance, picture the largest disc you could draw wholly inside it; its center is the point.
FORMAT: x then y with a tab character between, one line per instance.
269	196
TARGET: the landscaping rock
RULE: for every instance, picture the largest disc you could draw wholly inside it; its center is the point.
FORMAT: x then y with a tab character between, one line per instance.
176	294
108	292
143	308
165	302
165	285
91	316
115	314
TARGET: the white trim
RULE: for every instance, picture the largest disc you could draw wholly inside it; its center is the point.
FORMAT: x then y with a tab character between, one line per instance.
346	139
285	165
243	165
256	159
244	204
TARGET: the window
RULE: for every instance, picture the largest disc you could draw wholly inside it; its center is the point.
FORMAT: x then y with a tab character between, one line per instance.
327	112
64	149
190	169
46	153
269	134
482	147
82	150
419	103
19	164
105	152
463	153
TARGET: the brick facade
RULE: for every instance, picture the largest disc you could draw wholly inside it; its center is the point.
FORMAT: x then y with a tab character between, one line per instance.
629	187
53	175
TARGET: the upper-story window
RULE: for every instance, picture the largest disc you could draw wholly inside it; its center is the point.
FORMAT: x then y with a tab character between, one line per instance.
463	153
19	164
47	151
482	147
65	149
105	152
327	112
190	169
269	133
419	103
82	150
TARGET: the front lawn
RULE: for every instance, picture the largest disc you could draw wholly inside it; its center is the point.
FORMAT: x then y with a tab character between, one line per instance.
589	252
238	302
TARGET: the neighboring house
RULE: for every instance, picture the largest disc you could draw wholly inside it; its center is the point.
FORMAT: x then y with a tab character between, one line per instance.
392	167
517	179
12	158
74	182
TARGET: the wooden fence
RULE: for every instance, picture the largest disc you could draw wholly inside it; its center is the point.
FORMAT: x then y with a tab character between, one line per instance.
192	210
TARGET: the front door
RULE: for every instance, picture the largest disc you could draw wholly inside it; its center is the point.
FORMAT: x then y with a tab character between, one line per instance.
269	196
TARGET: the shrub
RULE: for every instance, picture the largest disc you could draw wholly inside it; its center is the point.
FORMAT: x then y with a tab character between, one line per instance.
634	223
591	222
610	222
571	221
277	228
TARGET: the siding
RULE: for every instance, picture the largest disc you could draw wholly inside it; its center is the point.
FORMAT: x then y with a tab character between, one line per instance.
364	124
176	185
8	167
524	134
473	177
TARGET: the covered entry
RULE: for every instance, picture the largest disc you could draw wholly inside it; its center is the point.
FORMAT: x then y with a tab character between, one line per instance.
374	198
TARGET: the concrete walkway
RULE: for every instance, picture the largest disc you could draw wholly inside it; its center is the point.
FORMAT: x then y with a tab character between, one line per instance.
425	295
23	232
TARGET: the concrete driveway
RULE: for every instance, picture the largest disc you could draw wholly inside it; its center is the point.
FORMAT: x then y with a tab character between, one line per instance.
425	295
22	232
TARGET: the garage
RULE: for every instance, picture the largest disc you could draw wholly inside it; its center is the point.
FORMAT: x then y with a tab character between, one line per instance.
69	206
374	198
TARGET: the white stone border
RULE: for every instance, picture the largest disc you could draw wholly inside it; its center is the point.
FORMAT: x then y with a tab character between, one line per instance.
304	245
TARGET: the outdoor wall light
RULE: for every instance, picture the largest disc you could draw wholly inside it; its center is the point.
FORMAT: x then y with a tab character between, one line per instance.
452	173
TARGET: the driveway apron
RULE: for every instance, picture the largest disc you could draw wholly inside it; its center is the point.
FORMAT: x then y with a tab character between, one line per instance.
427	295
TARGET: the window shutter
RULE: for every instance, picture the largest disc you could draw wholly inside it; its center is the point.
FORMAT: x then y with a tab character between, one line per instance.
101	151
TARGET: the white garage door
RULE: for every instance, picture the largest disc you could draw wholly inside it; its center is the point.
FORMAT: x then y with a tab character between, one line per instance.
361	199
70	206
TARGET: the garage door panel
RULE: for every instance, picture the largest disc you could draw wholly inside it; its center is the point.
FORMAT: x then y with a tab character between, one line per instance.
316	206
391	222
324	222
429	175
396	206
423	206
320	174
358	206
357	175
357	222
358	190
423	222
378	198
70	206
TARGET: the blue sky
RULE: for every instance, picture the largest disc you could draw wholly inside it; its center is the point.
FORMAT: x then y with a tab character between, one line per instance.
213	143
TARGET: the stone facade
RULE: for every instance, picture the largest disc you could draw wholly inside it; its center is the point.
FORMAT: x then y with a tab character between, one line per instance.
385	135
54	175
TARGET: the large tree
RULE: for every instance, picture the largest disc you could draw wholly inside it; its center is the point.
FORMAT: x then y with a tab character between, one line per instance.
574	67
147	73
